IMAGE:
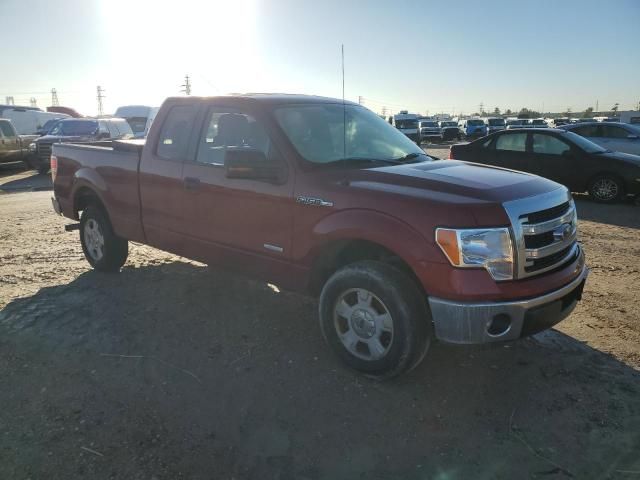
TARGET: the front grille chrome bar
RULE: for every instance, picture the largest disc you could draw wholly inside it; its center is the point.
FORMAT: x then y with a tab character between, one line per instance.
535	261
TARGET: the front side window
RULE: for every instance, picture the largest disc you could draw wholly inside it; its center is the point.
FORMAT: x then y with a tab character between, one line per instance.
587	130
175	133
548	145
514	142
6	129
228	127
318	132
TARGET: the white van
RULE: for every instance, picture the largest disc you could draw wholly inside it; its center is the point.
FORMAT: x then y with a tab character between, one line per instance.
27	121
139	117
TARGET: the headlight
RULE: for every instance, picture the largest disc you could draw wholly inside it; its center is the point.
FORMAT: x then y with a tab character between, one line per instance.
488	248
33	147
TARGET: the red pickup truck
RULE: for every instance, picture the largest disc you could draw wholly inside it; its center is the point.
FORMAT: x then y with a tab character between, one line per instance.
325	197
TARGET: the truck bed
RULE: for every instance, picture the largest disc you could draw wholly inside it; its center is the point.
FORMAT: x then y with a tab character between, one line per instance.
112	168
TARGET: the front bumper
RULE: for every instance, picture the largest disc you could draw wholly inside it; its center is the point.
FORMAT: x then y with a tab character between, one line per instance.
473	323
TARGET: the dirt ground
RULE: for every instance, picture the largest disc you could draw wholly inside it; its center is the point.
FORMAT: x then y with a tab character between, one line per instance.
172	370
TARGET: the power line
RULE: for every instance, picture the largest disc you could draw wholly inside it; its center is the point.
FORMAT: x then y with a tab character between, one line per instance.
100	96
187	85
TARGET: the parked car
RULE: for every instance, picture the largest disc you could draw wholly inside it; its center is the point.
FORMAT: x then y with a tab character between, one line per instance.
517	123
76	130
430	131
561	156
472	127
632	117
13	147
495	124
139	118
27	121
407	123
48	126
449	130
558	122
538	123
401	249
619	137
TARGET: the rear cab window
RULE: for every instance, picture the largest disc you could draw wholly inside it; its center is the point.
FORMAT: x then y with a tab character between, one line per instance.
173	142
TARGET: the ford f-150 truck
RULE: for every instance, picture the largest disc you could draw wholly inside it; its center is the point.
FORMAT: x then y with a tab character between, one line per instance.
316	195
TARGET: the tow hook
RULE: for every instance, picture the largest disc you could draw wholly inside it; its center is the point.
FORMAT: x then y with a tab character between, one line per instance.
71	227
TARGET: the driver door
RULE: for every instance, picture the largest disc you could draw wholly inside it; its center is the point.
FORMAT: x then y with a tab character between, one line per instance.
239	222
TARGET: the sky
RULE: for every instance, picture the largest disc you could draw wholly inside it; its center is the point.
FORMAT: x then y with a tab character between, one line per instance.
424	56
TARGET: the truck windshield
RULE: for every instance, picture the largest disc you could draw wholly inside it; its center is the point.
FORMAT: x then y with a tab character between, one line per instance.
406	124
475	123
449	124
496	122
75	127
429	124
318	133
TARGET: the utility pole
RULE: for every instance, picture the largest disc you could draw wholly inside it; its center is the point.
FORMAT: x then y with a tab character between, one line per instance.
100	96
597	106
384	111
54	97
9	100
33	102
481	108
360	100
187	85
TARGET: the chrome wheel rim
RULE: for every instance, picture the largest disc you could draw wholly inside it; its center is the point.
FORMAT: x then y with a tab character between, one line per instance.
94	240
363	324
605	189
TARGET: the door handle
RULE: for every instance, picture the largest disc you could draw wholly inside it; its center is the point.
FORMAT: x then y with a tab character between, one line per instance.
191	183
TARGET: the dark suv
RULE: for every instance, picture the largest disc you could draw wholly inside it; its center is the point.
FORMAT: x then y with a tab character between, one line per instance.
77	130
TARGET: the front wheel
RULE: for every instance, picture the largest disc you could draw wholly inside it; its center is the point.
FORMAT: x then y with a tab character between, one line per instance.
375	318
606	189
102	248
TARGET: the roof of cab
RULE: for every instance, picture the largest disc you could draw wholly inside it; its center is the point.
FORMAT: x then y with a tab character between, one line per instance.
268	98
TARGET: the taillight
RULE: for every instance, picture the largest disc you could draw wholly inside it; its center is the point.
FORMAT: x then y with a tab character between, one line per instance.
54	167
450	153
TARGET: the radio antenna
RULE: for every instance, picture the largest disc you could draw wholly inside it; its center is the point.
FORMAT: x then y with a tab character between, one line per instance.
344	113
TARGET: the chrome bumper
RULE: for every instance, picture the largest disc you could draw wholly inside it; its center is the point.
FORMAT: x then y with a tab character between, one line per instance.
473	323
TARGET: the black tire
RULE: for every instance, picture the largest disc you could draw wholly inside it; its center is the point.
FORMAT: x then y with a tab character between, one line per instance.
114	251
606	188
399	295
43	169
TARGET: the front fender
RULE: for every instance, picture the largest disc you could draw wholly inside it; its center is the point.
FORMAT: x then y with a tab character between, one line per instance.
376	227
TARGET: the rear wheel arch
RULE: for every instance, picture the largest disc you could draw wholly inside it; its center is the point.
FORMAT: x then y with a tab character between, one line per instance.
85	196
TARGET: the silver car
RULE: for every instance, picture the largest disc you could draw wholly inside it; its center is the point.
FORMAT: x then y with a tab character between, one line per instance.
618	137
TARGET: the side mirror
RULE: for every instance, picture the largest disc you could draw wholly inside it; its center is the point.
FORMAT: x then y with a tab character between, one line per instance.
252	164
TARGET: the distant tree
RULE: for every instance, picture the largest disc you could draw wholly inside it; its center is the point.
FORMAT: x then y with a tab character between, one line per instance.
475	114
508	112
615	107
588	112
526	113
496	111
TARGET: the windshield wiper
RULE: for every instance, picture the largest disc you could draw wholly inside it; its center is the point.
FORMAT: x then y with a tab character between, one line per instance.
409	156
352	160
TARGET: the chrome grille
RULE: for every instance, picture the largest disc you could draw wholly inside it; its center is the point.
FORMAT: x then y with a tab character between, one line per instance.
44	151
544	230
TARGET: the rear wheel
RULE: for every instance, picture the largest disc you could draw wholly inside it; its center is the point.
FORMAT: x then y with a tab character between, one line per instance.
102	248
375	318
606	188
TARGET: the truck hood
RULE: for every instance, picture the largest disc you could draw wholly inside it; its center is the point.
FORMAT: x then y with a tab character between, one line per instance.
452	181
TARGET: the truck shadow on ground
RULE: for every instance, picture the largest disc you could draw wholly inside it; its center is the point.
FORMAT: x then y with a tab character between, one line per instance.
29	181
623	214
174	370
